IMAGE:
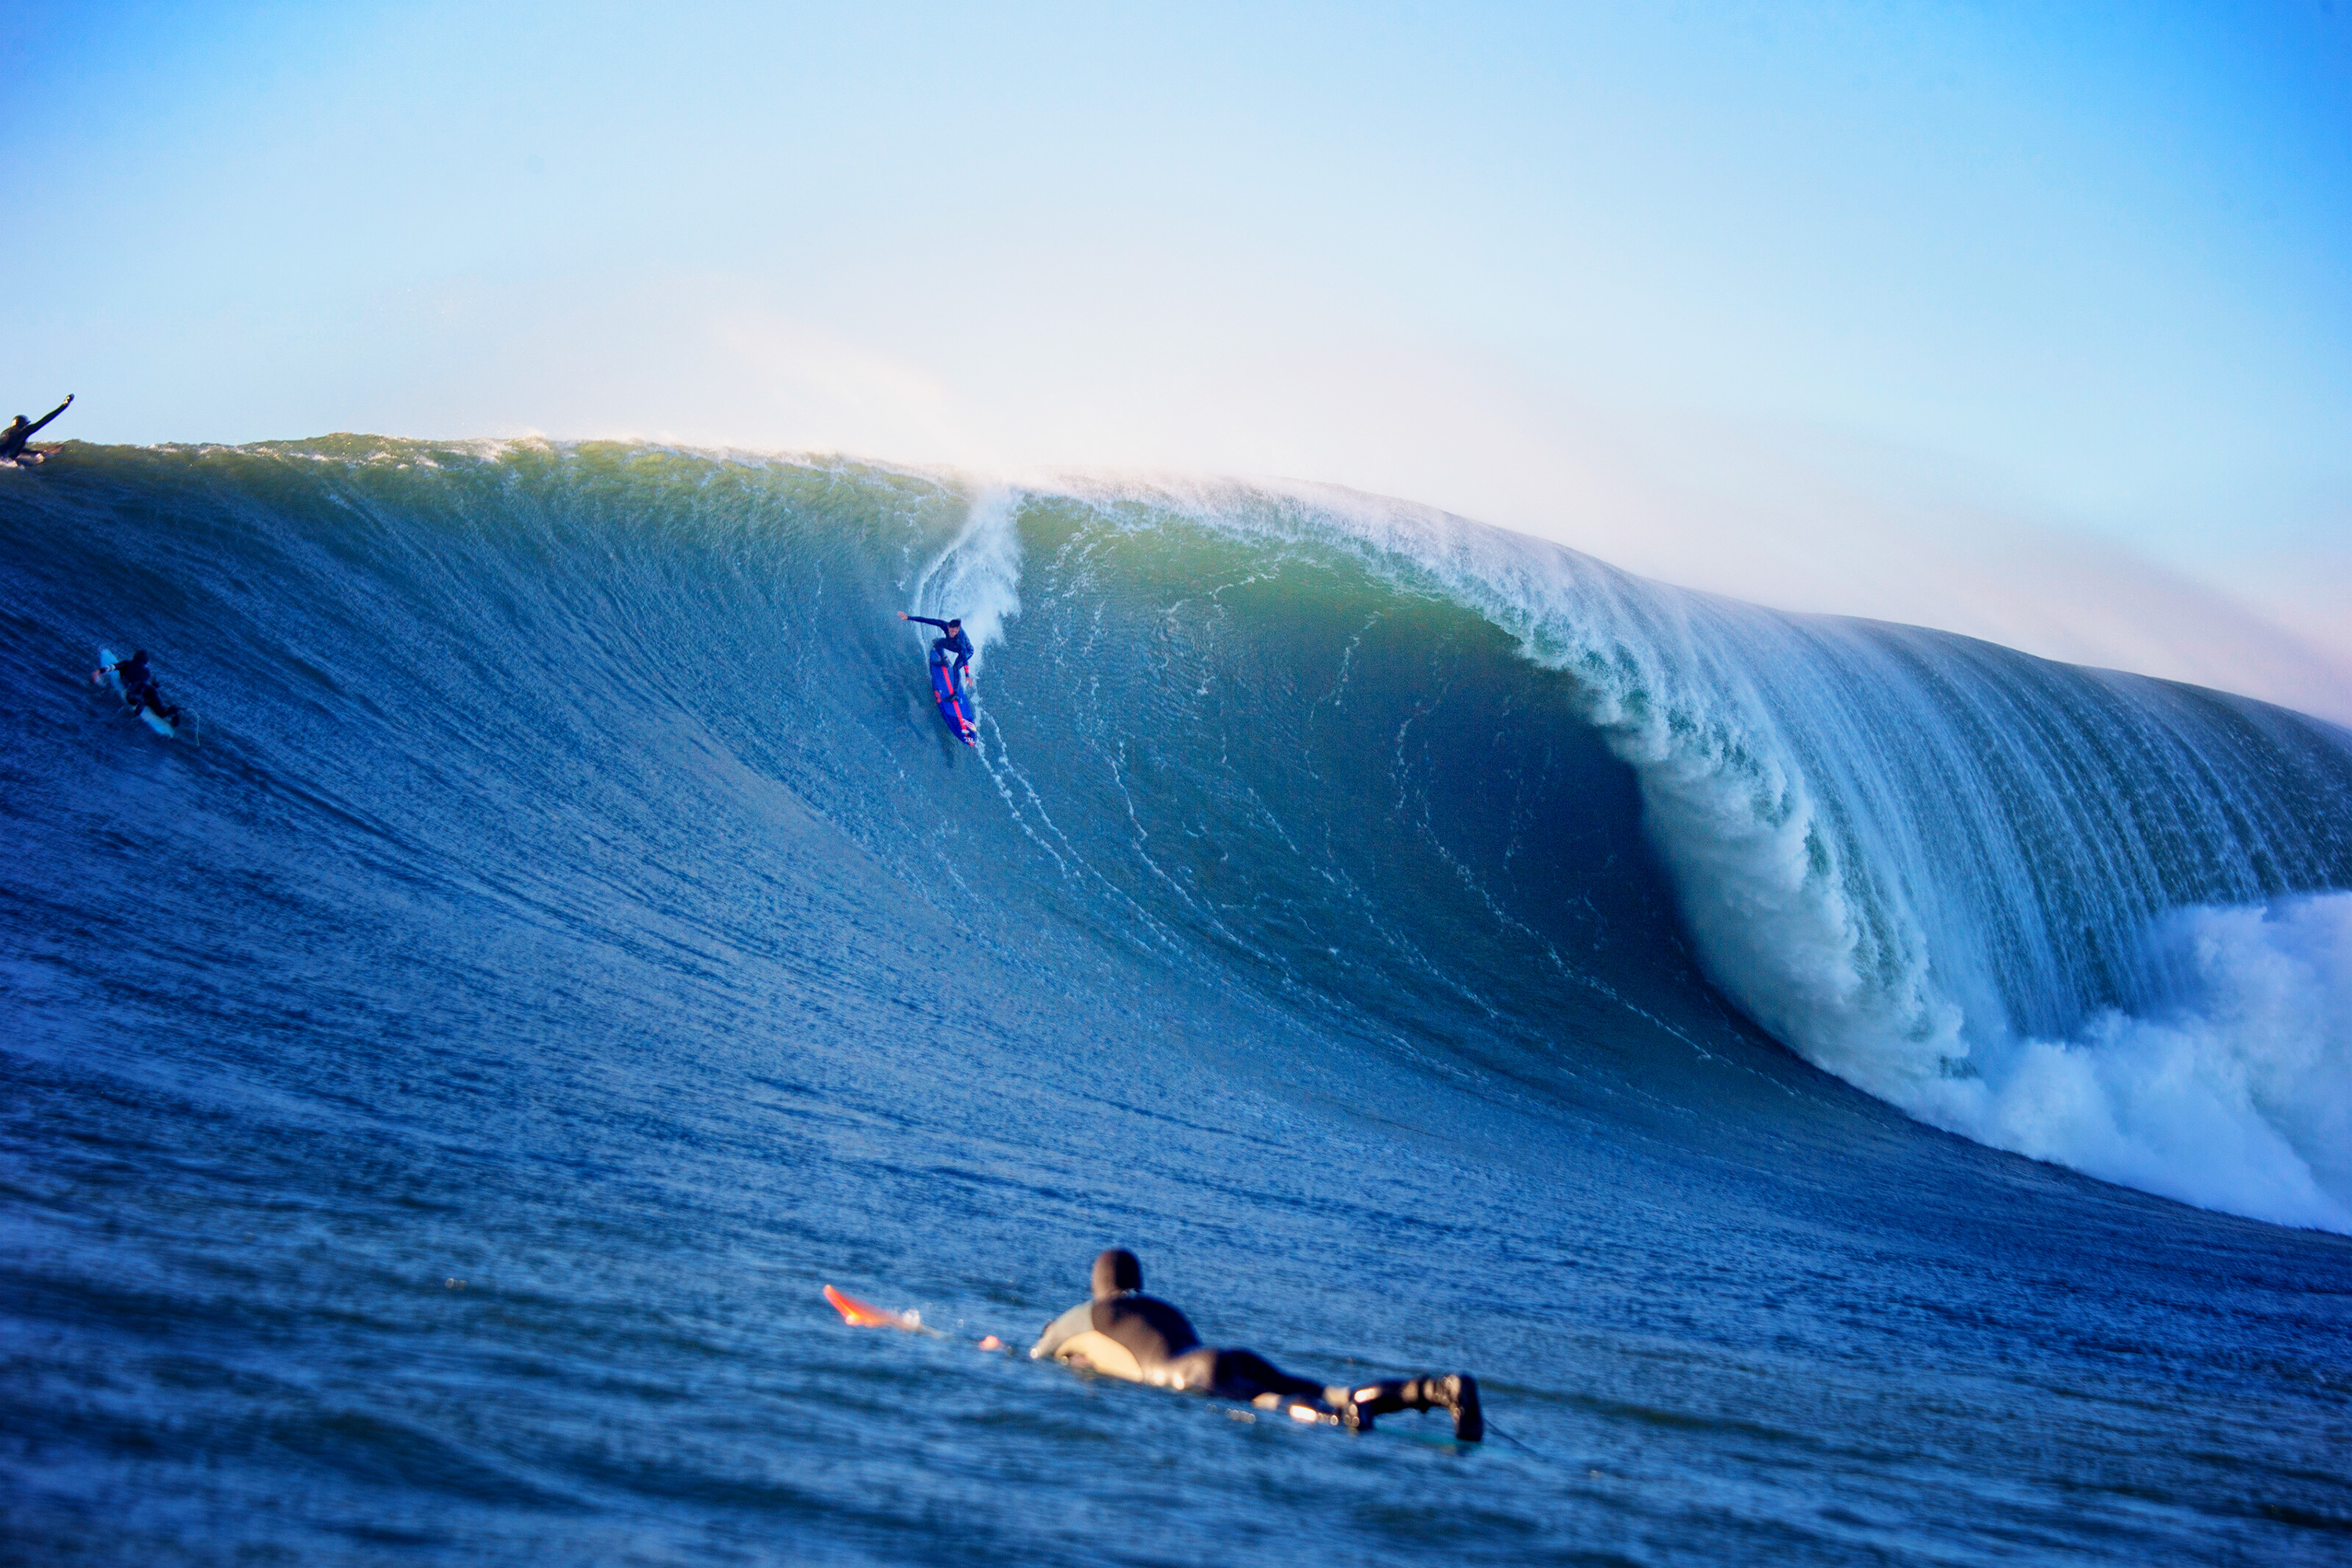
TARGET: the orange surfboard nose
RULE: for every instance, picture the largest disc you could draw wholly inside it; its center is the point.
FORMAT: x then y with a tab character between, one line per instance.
864	1316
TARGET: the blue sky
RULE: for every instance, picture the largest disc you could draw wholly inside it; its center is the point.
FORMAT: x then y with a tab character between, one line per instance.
2088	265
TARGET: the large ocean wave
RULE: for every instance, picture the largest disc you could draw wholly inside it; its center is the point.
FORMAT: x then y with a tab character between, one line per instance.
1350	759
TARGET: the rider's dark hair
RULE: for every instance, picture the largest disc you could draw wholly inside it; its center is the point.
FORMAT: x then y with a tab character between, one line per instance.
1117	1271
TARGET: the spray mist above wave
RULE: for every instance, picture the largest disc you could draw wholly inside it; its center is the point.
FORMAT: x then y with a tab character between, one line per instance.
2051	908
978	576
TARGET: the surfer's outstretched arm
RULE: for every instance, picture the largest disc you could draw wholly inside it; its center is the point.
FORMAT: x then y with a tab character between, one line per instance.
52	414
1077	1321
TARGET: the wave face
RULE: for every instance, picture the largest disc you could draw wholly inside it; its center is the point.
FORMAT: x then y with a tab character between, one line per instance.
562	813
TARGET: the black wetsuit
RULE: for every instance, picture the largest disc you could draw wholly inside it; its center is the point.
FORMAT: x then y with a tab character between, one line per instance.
954	642
139	689
151	698
1171	1354
13	439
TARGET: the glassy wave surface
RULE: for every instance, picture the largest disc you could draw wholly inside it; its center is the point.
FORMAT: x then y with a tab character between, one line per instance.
436	1093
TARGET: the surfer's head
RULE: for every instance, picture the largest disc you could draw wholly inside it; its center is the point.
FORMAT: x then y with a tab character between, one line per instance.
955	626
138	657
1117	1272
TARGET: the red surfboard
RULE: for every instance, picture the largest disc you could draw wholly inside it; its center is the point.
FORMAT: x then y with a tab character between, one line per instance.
953	709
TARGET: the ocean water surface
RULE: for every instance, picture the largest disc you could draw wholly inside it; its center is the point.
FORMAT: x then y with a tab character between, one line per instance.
1851	1094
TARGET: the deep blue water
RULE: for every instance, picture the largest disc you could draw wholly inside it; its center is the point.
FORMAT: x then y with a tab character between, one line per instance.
433	1101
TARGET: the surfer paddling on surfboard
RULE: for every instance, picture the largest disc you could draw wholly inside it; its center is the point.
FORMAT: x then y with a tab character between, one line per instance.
1123	1334
20	430
948	678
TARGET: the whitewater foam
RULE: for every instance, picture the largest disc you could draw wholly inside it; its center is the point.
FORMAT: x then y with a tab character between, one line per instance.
2231	1093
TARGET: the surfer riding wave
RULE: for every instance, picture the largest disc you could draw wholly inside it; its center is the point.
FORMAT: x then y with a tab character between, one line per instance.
139	689
20	430
950	665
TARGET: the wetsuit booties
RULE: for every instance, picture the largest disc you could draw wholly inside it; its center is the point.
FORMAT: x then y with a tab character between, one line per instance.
1121	1333
1456	1393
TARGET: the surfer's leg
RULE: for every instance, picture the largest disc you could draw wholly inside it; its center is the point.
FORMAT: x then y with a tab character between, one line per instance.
1239	1374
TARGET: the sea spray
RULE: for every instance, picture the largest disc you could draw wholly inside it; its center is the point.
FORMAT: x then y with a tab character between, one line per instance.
977	576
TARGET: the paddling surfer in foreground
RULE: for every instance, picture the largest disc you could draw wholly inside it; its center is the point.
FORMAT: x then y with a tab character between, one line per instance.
1121	1333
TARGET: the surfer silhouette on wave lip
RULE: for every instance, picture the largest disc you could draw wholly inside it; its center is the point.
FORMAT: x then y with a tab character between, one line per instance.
1121	1333
20	430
